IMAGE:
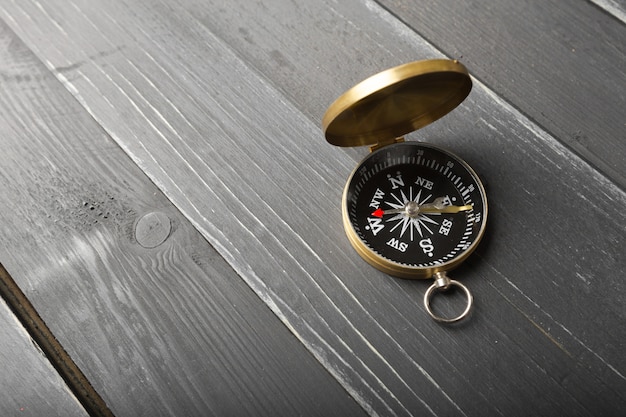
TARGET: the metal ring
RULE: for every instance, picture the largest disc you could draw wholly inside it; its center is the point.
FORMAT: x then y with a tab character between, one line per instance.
444	285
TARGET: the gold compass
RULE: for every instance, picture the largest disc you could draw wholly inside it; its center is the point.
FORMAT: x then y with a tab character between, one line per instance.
410	209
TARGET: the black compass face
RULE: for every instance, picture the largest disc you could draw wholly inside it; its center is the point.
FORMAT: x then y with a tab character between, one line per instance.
416	205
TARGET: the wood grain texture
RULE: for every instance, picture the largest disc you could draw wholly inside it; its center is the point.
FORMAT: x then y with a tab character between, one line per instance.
563	65
220	105
616	8
166	328
30	385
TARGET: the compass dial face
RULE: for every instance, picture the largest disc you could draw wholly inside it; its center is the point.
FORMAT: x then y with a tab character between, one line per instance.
412	209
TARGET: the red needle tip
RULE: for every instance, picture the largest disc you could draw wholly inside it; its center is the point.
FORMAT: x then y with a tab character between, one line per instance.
378	213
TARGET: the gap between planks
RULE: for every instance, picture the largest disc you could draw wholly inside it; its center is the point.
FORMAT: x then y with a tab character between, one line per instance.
50	346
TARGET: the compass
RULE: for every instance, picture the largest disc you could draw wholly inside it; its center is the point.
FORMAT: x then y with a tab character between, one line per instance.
410	209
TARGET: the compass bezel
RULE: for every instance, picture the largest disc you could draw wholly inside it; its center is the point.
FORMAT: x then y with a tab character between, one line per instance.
390	266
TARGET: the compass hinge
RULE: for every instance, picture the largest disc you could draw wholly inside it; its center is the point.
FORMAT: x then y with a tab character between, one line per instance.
386	142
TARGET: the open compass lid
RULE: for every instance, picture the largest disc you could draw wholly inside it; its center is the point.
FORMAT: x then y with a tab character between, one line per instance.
395	102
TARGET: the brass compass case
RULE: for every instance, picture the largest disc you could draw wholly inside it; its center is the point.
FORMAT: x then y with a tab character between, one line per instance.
413	219
410	209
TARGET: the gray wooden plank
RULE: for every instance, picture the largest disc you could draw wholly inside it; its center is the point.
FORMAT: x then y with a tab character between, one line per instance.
30	385
562	64
46	342
616	8
220	106
154	317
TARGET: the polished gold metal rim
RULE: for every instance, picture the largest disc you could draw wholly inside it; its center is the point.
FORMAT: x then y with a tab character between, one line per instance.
404	271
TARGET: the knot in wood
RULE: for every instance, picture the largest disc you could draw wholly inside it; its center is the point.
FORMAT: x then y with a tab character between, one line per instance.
152	229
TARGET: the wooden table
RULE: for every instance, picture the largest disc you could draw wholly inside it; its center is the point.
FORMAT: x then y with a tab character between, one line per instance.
171	209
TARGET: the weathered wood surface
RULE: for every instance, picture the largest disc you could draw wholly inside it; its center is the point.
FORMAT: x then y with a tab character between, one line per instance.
30	385
157	321
220	106
563	66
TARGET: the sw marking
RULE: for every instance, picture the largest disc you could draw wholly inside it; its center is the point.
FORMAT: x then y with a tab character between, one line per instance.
396	244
